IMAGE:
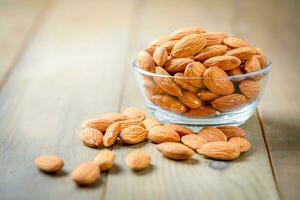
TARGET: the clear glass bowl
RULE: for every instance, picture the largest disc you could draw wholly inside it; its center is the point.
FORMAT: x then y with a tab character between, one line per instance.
232	110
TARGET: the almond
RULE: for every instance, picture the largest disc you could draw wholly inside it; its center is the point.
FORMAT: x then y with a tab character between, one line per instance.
181	130
175	151
190	99
201	112
86	173
250	88
151	88
262	59
91	137
177	64
159	134
111	134
150	122
49	163
229	102
99	124
214	38
232	131
167	84
211	51
235	72
130	122
183	82
137	160
145	61
158	41
206	95
193	141
252	65
243	53
233	42
182	32
195	70
242	143
134	113
224	62
216	80
211	134
169	45
150	50
169	103
133	134
188	46
114	117
160	56
220	150
105	159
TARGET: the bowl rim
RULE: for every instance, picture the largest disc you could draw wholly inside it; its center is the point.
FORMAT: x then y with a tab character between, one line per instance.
147	73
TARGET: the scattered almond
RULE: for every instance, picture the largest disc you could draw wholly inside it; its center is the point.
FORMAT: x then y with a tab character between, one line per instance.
105	159
181	130
49	163
160	134
111	134
137	160
193	141
134	113
91	137
133	134
220	150
243	144
99	124
114	117
232	131
211	134
86	174
150	122
175	151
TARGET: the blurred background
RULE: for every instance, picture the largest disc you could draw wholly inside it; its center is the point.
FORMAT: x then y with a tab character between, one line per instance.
59	57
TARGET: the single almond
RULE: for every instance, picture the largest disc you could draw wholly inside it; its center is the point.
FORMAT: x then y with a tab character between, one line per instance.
233	42
250	88
114	117
159	41
134	113
145	61
206	95
167	84
216	80
169	45
252	65
214	38
190	99
232	131
160	56
133	134
188	46
243	53
111	134
229	102
193	141
99	124
183	82
224	62
151	88
241	142
211	51
177	64
105	159
86	174
150	50
235	72
175	151
49	163
211	134
91	137
138	160
205	111
220	150
182	32
131	122
181	130
169	103
196	71
150	122
160	134
262	59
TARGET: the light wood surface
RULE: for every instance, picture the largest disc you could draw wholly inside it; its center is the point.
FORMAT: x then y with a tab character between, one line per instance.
71	60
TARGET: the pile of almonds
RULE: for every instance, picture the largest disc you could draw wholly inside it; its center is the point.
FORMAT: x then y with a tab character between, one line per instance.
210	58
132	126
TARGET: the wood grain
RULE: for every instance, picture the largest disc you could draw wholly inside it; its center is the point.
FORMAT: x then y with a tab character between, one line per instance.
277	29
69	72
249	177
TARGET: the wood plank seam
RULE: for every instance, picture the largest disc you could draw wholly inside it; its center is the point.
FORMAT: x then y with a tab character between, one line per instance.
37	22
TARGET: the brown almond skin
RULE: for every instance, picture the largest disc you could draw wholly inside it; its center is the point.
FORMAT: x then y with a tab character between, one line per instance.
97	123
201	112
207	95
182	32
193	141
145	61
151	88
184	83
91	137
150	122
252	65
86	174
169	45
211	134
114	117
177	64
243	143
250	88
235	72
167	84
134	113
133	134
175	151
105	159
190	99
232	131
220	150
160	56
216	80
169	103
181	130
229	102
137	160
130	122
211	51
195	69
214	38
233	42
243	53
111	134
160	134
224	62
49	163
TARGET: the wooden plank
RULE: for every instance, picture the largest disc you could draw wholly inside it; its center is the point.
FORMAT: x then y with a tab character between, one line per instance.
71	71
249	177
17	21
276	28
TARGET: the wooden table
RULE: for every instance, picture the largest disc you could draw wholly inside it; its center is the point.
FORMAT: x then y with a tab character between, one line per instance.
63	61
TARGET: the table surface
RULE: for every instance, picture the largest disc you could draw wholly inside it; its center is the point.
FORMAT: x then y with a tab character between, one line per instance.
63	61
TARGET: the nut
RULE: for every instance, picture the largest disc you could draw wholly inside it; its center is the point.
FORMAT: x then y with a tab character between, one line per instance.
175	151
193	141
229	102
160	134
49	163
170	103
134	113
243	144
181	130
150	122
212	134
99	124
137	160
133	134
105	159
232	131
86	173
220	150
111	134
91	137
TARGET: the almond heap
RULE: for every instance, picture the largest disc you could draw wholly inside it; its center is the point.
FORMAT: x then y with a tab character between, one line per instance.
197	69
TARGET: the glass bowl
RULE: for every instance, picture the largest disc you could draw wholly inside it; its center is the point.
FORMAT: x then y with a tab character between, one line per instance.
200	107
